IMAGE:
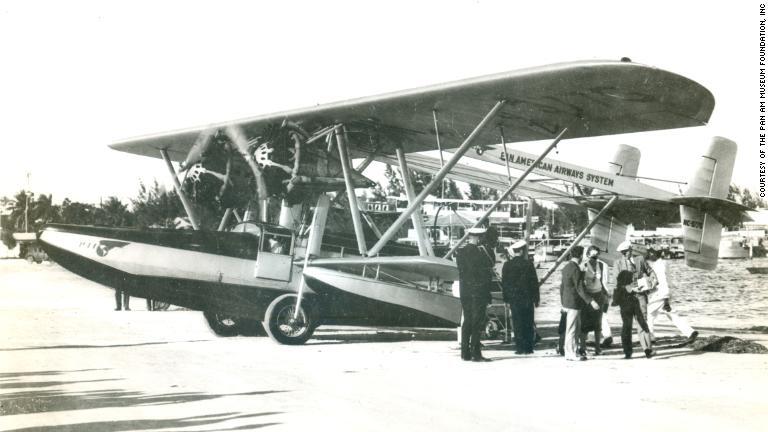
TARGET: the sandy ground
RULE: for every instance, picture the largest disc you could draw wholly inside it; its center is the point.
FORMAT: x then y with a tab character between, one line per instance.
68	362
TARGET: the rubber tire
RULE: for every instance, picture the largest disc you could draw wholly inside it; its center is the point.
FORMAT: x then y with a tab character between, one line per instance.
217	324
492	330
278	308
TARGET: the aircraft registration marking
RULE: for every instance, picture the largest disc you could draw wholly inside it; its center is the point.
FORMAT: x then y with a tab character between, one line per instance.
693	223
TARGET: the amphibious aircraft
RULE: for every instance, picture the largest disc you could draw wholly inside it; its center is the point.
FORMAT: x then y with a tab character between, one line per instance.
287	274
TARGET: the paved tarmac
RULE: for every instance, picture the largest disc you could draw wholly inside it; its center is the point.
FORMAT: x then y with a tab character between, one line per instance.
68	362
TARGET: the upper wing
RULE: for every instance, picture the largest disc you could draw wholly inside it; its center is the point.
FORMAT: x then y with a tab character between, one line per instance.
591	98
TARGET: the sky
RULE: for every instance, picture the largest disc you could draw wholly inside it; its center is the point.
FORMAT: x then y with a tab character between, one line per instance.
77	76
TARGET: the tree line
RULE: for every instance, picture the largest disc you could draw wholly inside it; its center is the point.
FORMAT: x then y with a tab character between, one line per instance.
152	207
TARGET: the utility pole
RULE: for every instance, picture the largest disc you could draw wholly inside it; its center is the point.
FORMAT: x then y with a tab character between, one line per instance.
26	206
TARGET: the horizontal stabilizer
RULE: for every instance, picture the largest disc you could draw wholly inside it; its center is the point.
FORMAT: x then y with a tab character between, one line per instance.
727	212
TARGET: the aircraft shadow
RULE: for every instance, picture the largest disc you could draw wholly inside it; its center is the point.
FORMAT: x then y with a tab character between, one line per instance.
9	375
100	346
31	402
36	401
156	424
37	384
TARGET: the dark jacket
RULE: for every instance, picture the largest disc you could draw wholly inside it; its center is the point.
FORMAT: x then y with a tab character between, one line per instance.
637	265
572	293
475	272
519	281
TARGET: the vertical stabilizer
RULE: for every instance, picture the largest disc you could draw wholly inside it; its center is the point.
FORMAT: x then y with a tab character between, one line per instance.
701	231
609	232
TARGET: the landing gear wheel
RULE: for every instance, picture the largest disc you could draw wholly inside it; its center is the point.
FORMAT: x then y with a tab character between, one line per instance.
492	329
222	325
281	325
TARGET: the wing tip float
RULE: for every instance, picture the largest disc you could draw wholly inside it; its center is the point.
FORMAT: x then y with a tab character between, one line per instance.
592	98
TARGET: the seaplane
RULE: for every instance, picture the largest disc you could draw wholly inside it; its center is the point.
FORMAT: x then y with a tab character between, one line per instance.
269	262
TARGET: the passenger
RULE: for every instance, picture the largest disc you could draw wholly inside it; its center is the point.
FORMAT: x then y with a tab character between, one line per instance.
632	303
658	300
475	270
591	319
126	300
520	286
573	298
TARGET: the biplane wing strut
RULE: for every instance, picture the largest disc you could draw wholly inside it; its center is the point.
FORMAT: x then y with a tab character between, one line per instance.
436	180
182	196
425	247
578	238
507	192
354	207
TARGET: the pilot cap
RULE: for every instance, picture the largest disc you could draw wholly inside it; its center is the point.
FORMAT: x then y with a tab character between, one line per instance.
476	231
625	245
518	245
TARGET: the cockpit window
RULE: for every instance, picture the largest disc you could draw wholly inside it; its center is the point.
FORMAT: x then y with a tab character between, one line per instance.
276	243
248	227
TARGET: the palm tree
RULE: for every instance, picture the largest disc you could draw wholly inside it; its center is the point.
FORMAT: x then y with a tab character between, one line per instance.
19	215
114	213
43	211
155	206
73	212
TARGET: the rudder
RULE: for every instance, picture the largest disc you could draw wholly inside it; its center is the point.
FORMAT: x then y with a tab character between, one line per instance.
712	177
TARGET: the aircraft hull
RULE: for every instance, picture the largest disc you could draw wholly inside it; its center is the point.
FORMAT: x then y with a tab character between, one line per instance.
203	279
215	272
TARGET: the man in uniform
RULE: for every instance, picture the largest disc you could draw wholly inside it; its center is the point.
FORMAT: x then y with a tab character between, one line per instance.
521	291
475	271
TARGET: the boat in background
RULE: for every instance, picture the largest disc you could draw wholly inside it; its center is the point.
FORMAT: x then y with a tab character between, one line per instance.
742	244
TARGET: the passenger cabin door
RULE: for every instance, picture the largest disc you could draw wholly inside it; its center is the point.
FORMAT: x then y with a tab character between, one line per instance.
275	258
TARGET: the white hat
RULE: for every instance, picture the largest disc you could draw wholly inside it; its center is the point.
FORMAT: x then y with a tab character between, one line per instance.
476	231
625	245
518	244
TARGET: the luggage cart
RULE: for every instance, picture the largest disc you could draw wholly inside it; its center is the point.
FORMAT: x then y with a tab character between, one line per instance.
499	324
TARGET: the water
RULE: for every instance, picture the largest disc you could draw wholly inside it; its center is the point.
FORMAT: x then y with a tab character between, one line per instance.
727	297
